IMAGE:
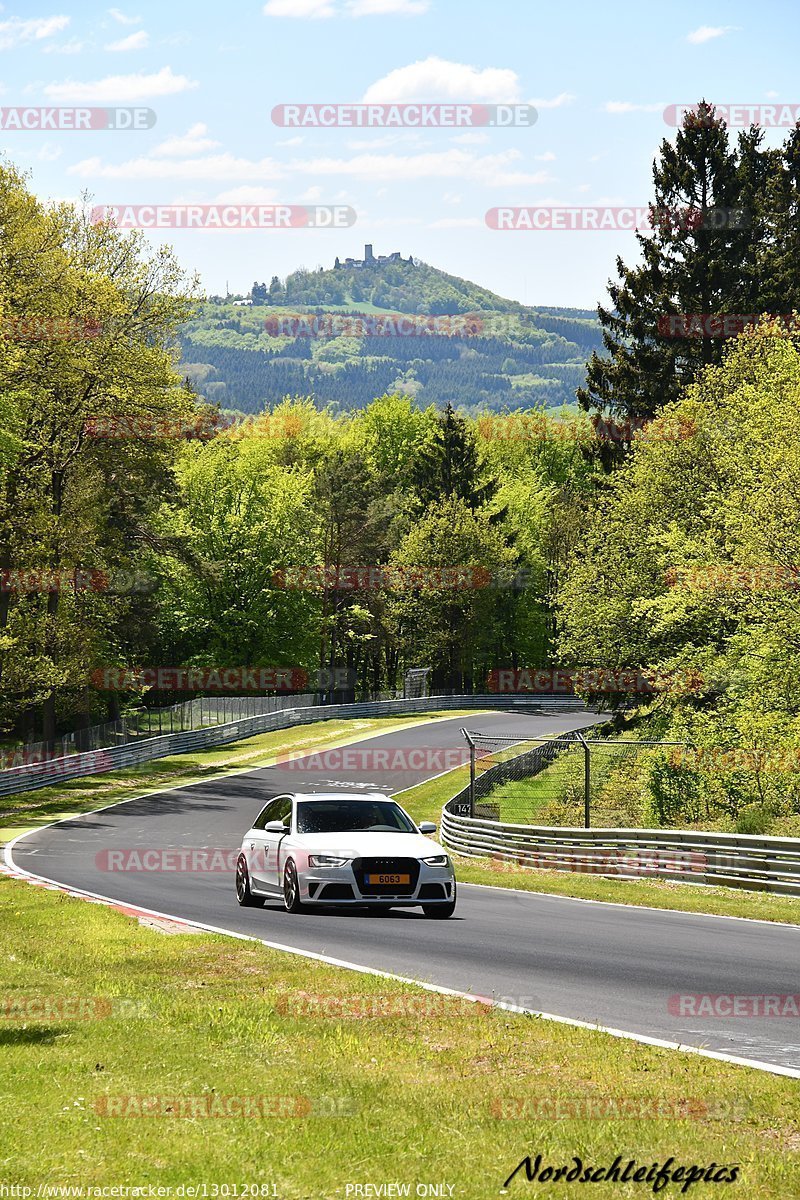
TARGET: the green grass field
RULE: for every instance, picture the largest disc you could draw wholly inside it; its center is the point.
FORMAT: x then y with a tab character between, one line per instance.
206	1060
131	1057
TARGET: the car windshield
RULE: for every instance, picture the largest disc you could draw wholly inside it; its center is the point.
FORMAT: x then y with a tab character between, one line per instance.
349	816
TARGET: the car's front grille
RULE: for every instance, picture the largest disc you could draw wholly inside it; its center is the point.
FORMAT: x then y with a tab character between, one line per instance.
363	868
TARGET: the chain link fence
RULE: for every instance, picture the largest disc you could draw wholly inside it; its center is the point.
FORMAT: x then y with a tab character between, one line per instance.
200	713
622	783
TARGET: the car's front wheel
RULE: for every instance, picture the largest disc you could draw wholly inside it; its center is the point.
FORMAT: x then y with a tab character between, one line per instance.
243	893
441	911
291	889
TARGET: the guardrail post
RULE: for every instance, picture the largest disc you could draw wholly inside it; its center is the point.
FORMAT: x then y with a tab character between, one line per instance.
471	745
587	780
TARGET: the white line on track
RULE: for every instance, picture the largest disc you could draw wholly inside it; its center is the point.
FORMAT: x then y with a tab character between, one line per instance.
136	910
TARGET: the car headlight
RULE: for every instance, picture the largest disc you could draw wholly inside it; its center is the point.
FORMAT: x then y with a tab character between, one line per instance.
326	860
439	860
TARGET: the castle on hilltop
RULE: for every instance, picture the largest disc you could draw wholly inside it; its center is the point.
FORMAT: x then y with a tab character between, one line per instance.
371	260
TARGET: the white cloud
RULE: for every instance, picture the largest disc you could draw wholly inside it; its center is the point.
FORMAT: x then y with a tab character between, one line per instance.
437	79
219	167
452	198
555	101
299	8
548	156
123	18
456	223
134	41
497	170
292	141
318	9
121	88
494	169
16	32
627	106
387	222
73	46
405	137
473	138
193	142
49	152
707	33
248	194
380	8
771	95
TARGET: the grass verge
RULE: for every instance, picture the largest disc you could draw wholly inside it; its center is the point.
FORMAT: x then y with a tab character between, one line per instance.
377	1083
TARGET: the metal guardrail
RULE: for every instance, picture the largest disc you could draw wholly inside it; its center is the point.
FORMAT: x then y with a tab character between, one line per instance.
187	715
32	776
770	864
721	859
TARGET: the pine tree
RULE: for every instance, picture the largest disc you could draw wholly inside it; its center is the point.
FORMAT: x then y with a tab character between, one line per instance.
781	258
449	465
692	264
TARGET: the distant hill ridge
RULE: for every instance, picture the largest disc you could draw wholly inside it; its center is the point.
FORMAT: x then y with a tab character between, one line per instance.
235	353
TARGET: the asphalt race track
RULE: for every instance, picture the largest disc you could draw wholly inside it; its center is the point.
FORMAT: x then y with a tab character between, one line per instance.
612	965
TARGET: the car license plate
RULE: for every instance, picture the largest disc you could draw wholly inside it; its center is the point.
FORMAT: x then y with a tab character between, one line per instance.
388	879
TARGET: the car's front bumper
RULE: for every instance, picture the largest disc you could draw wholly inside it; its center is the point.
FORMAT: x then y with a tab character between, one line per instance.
343	885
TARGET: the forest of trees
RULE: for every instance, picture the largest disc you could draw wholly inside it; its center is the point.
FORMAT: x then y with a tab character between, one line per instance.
669	547
476	374
519	358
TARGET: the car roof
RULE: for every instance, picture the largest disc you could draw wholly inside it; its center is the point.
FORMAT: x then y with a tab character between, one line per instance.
341	796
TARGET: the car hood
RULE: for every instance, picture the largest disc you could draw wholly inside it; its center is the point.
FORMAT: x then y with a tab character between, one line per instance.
370	845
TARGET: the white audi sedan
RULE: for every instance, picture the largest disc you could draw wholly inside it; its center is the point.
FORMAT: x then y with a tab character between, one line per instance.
324	848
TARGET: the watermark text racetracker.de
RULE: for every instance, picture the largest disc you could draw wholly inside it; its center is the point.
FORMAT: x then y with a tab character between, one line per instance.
40	327
722	325
603	218
222	679
723	1006
337	324
593	1107
428	1006
213	1104
217	217
43	120
403	116
737	115
46	762
70	1008
627	861
569	681
27	580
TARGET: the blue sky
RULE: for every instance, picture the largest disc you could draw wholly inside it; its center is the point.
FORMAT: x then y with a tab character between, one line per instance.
599	76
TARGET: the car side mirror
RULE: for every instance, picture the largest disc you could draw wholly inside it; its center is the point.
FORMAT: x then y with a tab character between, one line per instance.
427	827
276	827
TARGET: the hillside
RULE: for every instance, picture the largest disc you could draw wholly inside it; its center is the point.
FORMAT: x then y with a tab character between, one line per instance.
506	355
